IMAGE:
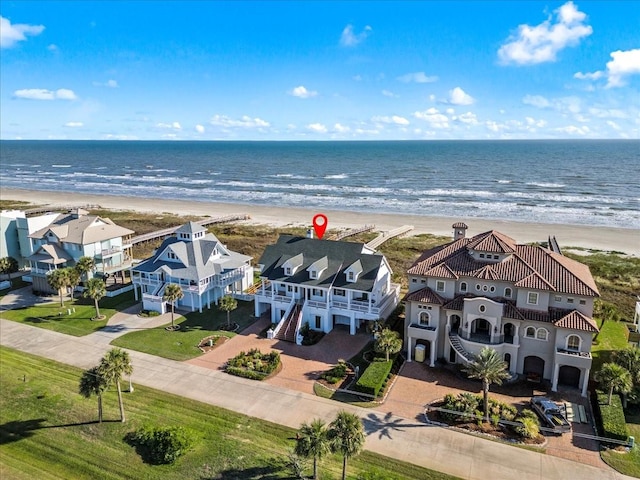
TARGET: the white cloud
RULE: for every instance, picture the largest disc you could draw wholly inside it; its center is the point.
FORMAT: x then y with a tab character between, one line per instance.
539	44
457	96
536	100
170	126
613	125
351	39
450	111
317	128
109	83
53	47
573	130
357	78
10	34
433	117
74	124
607	113
44	94
532	122
341	128
417	77
432	98
469	118
588	76
624	63
302	92
200	128
388	93
244	122
394	119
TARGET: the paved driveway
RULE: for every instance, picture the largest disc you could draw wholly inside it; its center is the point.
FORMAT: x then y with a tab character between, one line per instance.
23	297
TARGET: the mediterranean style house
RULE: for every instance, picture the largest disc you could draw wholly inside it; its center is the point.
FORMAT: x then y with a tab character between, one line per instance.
196	260
531	304
323	283
77	234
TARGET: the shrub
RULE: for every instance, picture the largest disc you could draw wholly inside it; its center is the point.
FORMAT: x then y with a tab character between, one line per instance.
528	428
373	378
161	445
612	419
253	364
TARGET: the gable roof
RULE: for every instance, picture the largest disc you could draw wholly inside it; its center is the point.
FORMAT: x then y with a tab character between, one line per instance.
425	295
51	254
191	228
577	321
526	266
82	230
340	256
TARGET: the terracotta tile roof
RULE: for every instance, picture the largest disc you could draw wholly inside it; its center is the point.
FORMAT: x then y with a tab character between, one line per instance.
526	266
457	303
425	295
577	321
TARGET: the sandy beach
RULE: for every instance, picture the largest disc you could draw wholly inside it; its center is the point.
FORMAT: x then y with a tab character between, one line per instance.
600	238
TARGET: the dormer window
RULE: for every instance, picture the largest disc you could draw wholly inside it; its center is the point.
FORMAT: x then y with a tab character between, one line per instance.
313	274
350	276
172	256
288	271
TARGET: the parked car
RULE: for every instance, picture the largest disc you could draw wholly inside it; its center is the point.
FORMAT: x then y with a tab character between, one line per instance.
553	415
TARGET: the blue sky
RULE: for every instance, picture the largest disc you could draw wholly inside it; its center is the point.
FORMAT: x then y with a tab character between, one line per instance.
319	70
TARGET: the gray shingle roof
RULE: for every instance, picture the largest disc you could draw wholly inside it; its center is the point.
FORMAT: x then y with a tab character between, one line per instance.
82	230
340	256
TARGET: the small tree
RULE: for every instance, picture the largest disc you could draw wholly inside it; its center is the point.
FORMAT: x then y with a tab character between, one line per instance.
74	279
172	293
84	266
614	377
113	366
606	311
58	279
8	265
228	304
313	441
388	342
490	368
96	289
346	436
93	383
629	358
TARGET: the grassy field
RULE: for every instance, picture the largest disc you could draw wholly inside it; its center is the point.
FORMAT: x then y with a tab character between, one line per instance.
183	344
54	317
48	431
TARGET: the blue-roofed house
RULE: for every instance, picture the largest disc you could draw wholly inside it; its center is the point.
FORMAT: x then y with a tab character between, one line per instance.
197	261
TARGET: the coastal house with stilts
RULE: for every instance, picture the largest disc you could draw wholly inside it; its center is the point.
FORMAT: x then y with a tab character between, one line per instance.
530	303
68	237
205	269
322	283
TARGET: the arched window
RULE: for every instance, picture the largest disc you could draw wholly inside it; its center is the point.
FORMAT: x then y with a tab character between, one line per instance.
507	292
423	318
463	287
530	332
542	334
573	342
507	359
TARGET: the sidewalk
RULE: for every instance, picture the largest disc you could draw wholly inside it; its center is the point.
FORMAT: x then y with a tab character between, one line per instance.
437	448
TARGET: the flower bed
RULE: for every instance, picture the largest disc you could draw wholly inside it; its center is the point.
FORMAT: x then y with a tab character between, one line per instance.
212	341
254	364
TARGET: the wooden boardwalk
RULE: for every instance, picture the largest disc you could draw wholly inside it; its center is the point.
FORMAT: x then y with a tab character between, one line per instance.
350	233
384	236
166	232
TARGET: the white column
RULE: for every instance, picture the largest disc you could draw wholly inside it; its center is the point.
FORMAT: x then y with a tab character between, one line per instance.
135	292
516	337
433	353
352	324
585	382
409	349
554	380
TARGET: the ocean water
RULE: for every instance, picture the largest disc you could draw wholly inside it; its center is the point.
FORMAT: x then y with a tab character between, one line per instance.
584	182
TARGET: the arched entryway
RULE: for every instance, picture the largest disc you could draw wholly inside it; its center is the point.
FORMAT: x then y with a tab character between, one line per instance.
507	360
569	376
508	331
480	330
455	323
533	368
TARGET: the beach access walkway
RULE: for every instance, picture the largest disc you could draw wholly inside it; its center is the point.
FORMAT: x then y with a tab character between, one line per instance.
410	440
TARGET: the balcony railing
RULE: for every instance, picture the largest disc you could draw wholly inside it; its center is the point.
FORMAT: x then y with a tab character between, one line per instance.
422	327
574	353
107	252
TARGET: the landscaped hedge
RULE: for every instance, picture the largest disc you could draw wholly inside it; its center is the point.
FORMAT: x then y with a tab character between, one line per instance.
241	372
374	377
253	364
612	419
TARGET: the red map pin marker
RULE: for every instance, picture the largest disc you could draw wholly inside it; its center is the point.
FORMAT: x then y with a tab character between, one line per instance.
320	225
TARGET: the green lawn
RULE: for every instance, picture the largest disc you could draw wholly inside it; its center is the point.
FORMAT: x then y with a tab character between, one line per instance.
611	338
54	317
627	463
183	344
48	431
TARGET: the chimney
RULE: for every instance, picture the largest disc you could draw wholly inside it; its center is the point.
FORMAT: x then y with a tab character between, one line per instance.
310	233
459	230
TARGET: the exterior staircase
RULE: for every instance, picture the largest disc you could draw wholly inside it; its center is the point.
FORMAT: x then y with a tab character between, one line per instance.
288	330
454	340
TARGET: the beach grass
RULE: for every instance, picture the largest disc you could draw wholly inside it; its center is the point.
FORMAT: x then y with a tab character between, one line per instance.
48	431
77	323
182	344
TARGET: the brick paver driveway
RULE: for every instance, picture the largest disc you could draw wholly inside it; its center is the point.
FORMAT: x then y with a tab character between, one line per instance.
300	364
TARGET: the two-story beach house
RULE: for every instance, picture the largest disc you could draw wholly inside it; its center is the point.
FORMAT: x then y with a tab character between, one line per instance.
78	234
323	283
531	304
196	260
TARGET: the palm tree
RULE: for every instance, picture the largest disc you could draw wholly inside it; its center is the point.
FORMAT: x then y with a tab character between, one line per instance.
74	278
614	377
629	358
92	383
113	366
85	265
388	341
8	265
313	441
228	304
172	293
96	289
606	311
346	436
490	368
58	279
